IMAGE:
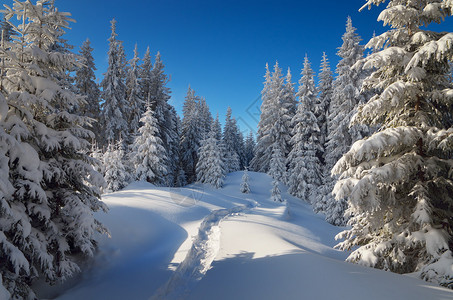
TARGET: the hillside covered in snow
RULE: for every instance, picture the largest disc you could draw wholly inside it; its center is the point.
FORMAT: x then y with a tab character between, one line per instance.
202	243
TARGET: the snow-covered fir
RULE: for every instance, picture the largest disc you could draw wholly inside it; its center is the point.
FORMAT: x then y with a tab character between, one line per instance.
245	186
304	163
345	99
48	191
398	181
210	166
85	82
133	96
275	120
230	143
115	108
148	153
116	174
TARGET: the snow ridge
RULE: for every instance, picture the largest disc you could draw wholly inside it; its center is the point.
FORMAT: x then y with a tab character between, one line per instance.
201	255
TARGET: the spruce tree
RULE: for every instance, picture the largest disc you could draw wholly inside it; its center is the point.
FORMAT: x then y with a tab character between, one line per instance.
345	100
115	106
85	82
398	181
304	163
210	168
230	140
133	94
146	77
275	121
149	155
190	139
249	149
325	91
116	174
159	95
263	141
49	190
245	188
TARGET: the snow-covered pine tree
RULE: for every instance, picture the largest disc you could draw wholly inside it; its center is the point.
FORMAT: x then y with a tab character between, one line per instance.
217	128
149	154
290	104
146	76
263	141
399	181
115	107
205	117
49	191
210	168
116	174
240	146
275	120
159	95
276	194
325	91
345	99
249	149
85	82
277	168
190	139
304	163
245	187
232	162
133	96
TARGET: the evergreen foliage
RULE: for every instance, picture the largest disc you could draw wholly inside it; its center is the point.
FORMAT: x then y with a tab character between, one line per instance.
48	190
398	181
115	107
210	168
149	155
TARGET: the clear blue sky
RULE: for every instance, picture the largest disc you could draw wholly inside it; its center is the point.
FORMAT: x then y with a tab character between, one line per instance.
220	48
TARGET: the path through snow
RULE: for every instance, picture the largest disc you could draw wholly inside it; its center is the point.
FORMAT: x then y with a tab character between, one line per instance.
198	260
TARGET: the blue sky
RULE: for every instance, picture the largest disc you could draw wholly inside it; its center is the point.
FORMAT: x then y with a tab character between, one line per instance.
220	48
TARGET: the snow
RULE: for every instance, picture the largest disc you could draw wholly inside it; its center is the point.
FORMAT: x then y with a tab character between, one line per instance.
200	242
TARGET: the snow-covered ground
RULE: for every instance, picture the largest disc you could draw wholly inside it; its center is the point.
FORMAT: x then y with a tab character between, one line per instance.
202	243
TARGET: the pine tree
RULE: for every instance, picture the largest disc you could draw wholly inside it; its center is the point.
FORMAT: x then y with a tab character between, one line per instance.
85	82
115	106
275	120
263	141
217	128
190	135
159	95
304	163
345	100
133	95
325	90
276	195
49	191
249	149
245	188
230	140
398	181
290	103
149	155
205	117
146	77
210	167
116	174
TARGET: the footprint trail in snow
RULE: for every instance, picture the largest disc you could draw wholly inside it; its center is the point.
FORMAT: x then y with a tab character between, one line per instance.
200	256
